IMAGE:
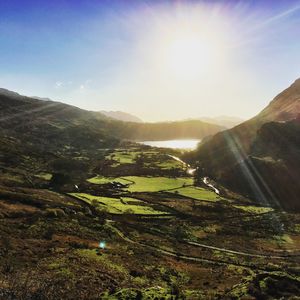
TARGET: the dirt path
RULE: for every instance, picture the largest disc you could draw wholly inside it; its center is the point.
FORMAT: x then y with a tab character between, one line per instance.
240	252
191	258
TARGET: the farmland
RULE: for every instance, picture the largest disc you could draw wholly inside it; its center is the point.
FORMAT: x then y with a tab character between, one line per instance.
165	234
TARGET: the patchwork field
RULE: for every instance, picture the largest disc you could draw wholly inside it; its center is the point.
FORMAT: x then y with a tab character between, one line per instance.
163	237
197	193
156	184
145	184
150	159
105	180
118	205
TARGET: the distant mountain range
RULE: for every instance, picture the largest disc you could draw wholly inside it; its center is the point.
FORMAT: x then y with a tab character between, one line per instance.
259	158
225	121
47	136
50	124
41	98
121	116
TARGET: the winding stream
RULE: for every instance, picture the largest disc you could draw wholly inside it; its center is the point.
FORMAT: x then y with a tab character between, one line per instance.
191	171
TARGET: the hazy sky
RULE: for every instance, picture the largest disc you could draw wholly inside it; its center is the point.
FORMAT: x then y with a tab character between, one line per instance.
160	60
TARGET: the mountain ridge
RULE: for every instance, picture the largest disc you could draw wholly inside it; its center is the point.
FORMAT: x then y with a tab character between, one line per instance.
230	157
40	117
121	116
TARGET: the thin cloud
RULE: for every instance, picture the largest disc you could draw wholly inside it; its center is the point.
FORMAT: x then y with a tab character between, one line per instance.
60	84
275	18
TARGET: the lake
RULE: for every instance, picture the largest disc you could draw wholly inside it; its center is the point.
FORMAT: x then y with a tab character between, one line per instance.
190	144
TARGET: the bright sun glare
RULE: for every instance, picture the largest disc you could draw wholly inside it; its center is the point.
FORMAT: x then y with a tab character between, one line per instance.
189	55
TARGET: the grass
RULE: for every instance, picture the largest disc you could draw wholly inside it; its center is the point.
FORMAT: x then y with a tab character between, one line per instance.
104	180
156	184
144	183
123	157
150	293
169	164
283	239
197	193
101	259
45	176
151	159
254	209
118	206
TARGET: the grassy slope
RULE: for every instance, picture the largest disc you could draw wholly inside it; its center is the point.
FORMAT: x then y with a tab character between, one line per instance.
197	193
146	184
118	205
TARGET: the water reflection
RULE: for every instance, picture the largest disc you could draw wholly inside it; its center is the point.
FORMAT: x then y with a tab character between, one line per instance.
174	144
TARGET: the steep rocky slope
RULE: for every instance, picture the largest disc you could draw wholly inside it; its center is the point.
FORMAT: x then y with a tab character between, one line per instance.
252	158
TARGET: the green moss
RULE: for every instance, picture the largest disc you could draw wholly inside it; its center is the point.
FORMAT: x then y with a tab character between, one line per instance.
254	209
283	239
66	273
45	176
152	293
102	259
297	228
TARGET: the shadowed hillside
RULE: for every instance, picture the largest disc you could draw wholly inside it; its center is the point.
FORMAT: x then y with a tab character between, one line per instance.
252	158
121	116
19	113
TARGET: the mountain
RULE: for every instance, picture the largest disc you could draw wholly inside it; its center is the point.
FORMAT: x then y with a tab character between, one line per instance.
33	114
225	121
121	116
260	157
36	133
8	93
41	98
190	129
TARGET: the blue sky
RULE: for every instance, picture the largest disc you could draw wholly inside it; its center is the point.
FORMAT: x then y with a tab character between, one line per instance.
112	54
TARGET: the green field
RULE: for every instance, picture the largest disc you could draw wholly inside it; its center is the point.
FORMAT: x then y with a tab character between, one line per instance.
169	164
123	157
197	193
156	184
254	209
145	184
118	205
150	159
104	180
45	176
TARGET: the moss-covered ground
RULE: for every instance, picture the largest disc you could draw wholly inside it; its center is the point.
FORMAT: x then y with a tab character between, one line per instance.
162	236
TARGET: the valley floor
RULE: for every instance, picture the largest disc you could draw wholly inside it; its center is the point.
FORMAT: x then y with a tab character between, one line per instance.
140	227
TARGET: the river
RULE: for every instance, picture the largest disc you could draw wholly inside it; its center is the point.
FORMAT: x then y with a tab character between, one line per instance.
191	171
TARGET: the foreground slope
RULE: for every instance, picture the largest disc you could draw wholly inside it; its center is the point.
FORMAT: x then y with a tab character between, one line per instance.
259	157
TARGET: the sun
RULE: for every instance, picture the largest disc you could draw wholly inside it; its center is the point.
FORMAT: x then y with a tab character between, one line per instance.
186	49
190	55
